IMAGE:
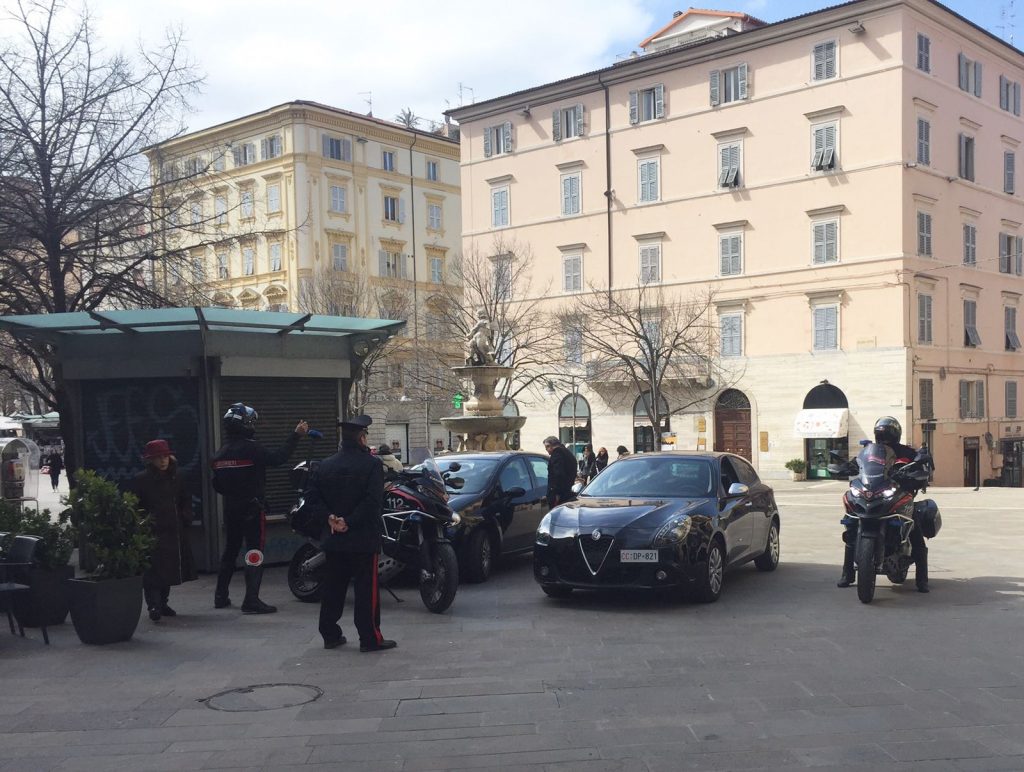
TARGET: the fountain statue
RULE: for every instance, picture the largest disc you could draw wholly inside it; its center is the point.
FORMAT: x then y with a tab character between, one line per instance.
482	426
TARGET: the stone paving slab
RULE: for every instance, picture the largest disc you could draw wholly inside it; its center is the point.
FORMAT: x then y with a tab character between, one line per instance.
785	672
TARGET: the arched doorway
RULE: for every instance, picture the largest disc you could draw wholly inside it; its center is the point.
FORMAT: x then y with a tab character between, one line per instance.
822	423
732	424
574	423
643	429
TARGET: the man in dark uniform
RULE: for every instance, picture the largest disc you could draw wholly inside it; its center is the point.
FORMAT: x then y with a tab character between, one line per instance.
888	432
561	472
347	490
240	476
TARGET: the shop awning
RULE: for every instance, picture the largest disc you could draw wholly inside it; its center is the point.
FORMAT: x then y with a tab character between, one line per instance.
822	423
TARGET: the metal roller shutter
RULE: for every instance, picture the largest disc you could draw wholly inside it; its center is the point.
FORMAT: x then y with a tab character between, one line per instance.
281	403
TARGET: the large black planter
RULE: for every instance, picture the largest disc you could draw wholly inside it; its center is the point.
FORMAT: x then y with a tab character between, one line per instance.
106	611
46	603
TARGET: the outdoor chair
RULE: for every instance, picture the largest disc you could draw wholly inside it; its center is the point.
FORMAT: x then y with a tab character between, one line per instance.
14	571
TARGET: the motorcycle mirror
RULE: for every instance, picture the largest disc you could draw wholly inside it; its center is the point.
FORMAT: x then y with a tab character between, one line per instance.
835	469
835	455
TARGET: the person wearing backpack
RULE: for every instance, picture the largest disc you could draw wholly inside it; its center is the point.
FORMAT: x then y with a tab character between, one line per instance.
240	476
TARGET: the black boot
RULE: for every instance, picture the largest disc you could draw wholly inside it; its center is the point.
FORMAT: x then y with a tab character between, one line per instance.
153	603
849	572
220	595
921	573
252	603
166	610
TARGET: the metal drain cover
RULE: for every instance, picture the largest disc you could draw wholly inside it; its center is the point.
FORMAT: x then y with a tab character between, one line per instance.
263	697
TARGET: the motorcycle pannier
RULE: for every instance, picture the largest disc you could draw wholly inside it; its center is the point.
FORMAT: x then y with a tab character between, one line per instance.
926	513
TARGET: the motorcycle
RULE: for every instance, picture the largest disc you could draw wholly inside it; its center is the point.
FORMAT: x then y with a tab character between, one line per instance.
880	502
415	522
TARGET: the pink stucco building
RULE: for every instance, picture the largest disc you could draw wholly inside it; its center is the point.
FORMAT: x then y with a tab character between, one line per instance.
844	180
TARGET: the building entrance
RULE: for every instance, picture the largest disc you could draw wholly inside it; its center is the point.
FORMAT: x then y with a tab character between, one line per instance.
732	424
823	425
972	452
1013	461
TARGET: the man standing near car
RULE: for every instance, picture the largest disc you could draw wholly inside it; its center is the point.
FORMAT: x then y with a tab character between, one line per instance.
561	472
348	490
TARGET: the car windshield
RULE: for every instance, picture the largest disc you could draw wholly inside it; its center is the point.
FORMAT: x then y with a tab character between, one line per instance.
474	471
655	477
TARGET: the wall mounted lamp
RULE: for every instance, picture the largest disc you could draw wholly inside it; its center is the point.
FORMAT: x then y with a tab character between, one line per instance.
857	28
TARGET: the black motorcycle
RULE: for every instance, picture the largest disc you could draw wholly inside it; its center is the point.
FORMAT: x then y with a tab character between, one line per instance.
416	519
880	502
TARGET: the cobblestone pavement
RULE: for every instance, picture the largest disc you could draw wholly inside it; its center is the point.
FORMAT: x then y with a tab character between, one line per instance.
785	672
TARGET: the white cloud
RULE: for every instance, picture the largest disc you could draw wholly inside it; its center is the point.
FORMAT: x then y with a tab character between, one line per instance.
259	53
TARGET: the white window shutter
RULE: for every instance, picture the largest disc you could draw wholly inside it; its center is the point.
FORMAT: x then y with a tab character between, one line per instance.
634	106
506	136
723	251
236	155
1010	164
980	394
659	101
1018	251
964	398
715	80
487	142
346	150
977	79
556	126
819	61
742	77
401	210
579	120
566	194
1004	102
1016	99
961	61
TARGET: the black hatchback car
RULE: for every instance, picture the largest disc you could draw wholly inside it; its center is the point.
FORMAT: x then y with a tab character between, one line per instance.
501	502
660	520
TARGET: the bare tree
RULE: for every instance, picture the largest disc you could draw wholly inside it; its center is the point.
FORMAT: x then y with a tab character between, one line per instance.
406	117
501	282
665	346
80	217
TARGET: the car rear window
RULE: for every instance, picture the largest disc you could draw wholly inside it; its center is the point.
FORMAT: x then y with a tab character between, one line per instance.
655	477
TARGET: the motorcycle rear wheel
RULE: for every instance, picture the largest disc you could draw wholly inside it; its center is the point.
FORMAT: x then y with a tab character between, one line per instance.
438	592
305	586
865	558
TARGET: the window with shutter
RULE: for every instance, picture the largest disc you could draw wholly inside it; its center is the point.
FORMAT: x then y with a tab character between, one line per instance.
506	137
1009	95
567	122
924	142
823	65
826	328
274	251
924	53
927	401
826	242
823	156
729	85
965	399
1010	328
270	147
730	248
220	210
647	104
731	335
387	160
1018	255
1011	399
432	171
648	174
970	75
650	263
979	401
924	318
437	270
1009	171
434	217
1005	253
971	337
924	234
248	261
729	165
223	272
499	207
970	244
273	199
571	194
246	204
391	208
339	255
572	273
338	198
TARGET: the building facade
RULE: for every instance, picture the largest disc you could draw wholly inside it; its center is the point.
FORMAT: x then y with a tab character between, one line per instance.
843	181
306	207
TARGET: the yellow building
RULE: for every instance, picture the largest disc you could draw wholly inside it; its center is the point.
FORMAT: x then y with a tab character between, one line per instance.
305	207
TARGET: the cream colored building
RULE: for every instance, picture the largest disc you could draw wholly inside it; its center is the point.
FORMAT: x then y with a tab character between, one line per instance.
844	180
282	202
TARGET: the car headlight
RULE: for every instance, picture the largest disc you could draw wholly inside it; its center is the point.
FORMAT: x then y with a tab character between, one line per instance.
673	532
544	530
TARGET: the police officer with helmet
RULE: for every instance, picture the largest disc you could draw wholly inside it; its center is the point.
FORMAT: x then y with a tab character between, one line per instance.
347	491
240	476
888	432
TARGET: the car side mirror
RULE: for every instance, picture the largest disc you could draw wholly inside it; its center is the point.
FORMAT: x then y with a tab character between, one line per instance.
738	489
455	483
514	493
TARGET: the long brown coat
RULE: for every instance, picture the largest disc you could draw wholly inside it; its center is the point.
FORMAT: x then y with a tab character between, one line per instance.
163	496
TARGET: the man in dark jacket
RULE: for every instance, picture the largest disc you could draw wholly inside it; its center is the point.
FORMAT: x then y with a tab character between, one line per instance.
347	490
240	476
561	472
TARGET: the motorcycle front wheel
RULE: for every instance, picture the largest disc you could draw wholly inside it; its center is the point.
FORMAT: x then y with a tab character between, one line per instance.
305	585
438	591
865	557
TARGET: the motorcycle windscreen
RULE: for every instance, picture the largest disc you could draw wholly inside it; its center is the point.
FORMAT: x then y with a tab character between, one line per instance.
875	464
424	463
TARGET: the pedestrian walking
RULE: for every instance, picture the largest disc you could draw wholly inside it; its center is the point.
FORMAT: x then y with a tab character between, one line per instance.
602	460
347	491
588	464
561	472
56	465
240	476
387	458
162	495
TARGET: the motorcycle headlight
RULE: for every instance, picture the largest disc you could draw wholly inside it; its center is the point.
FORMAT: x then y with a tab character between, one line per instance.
673	532
544	530
456	518
889	492
856	492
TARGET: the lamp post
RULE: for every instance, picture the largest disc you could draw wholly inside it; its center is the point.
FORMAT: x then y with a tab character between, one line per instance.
574	390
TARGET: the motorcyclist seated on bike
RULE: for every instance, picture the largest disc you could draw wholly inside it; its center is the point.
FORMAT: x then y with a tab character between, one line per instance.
888	432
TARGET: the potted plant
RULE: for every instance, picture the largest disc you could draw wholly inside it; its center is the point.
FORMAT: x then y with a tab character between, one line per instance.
45	604
106	605
798	467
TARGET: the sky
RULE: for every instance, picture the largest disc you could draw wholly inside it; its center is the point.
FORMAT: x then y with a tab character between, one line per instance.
427	56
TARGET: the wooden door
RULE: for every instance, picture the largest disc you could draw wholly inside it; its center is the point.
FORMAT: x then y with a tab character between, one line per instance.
732	432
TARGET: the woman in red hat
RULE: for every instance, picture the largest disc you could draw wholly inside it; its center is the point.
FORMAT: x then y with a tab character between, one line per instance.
162	495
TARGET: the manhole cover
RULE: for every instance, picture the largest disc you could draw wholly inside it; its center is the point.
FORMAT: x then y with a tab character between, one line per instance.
263	697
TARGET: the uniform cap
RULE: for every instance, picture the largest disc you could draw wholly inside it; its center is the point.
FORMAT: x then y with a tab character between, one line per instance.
356	422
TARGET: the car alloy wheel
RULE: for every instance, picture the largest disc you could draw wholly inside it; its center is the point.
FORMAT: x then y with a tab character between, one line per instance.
715	569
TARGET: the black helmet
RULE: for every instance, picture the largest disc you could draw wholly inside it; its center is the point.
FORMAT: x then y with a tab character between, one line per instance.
240	420
888	430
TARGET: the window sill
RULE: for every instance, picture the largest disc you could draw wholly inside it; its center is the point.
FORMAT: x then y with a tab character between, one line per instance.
391	224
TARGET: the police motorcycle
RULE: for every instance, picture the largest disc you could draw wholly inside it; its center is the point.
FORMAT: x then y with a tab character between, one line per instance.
880	503
416	519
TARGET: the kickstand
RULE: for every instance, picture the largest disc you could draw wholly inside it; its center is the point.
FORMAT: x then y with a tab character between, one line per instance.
392	594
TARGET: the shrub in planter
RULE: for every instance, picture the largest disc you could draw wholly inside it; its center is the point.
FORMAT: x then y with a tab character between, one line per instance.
106	605
797	466
45	604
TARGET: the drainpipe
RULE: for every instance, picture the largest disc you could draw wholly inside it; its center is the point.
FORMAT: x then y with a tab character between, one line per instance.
608	193
415	298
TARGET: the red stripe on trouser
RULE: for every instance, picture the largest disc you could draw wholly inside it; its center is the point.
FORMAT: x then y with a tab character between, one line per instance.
263	530
375	602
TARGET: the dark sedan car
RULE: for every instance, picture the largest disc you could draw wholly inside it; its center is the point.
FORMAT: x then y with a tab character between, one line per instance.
501	503
660	520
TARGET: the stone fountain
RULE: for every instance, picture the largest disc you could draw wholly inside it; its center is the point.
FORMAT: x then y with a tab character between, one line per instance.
482	426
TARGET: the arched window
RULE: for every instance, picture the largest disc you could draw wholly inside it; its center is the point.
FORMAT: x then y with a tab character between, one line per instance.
644	440
733	399
574	428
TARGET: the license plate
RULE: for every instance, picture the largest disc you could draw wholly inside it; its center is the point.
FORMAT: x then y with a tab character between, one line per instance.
638	556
